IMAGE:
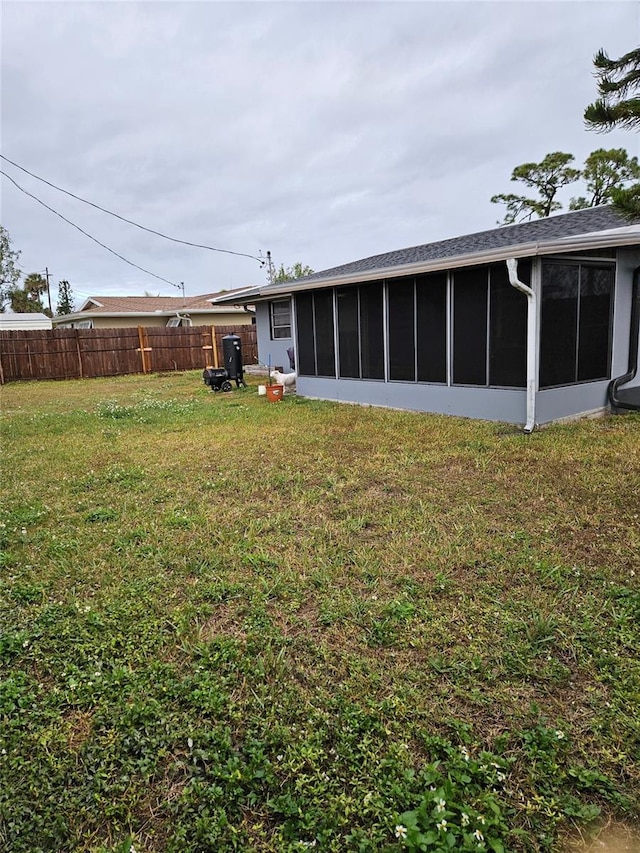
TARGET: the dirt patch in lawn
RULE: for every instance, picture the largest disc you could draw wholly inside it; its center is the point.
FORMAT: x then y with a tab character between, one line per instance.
613	837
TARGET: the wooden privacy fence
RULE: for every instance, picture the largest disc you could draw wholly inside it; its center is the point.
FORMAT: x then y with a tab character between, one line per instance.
85	353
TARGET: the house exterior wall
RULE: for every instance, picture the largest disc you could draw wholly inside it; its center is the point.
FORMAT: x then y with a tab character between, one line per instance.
483	402
270	351
494	404
628	261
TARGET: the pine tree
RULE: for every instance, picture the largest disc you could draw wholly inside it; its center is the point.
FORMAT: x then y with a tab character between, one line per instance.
619	90
546	177
618	107
65	298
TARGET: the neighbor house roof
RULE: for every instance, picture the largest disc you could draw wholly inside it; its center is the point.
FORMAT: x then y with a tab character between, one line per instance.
148	306
591	228
151	304
24	320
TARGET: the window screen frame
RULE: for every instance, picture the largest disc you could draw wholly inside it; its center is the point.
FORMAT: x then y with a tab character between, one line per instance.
276	324
303	353
601	263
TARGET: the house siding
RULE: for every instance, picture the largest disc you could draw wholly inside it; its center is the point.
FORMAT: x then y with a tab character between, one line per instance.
493	404
628	261
270	351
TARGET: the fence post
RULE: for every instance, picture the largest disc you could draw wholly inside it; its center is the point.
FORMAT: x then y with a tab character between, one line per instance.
215	347
79	353
142	349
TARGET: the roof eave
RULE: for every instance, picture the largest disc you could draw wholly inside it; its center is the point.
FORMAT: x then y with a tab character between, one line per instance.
89	315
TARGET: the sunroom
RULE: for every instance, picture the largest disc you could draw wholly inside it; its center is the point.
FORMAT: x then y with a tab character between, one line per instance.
526	324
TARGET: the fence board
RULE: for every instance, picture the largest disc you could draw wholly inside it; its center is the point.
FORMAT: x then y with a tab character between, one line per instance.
85	353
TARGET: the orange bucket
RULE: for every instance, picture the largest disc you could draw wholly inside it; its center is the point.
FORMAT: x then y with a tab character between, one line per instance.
274	393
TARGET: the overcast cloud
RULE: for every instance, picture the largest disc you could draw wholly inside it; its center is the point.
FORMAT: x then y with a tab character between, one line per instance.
323	132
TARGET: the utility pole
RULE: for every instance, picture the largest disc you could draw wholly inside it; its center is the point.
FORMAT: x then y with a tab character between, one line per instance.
271	270
184	301
46	269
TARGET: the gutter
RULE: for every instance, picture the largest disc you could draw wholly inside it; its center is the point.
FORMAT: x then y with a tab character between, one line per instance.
512	267
612	390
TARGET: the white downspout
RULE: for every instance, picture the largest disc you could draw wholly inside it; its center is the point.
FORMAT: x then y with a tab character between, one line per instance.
512	267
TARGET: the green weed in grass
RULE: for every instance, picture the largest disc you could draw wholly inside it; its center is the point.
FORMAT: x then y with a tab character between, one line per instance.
227	625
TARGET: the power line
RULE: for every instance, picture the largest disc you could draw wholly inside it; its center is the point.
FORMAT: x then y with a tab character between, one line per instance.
69	222
129	221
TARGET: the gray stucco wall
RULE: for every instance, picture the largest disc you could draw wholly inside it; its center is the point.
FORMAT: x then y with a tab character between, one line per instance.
486	403
276	350
628	261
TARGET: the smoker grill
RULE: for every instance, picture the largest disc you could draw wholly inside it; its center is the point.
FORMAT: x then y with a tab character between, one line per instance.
218	378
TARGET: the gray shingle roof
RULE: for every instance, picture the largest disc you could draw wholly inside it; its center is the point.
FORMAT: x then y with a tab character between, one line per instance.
594	220
552	228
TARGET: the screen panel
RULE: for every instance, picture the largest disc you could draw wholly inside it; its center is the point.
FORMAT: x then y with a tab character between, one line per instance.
470	326
305	349
402	360
431	314
348	334
324	331
508	327
558	324
372	330
594	337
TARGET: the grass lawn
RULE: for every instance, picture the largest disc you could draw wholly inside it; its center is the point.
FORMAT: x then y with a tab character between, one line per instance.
235	625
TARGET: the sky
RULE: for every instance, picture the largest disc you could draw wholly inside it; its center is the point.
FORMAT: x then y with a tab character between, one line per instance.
323	132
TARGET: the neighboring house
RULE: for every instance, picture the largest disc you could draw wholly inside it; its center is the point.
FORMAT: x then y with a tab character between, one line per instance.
109	312
26	321
446	327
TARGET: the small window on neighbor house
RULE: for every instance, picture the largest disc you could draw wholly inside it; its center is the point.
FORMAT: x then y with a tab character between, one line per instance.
84	324
280	319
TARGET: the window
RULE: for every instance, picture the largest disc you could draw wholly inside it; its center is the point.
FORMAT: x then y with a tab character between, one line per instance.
575	333
179	321
83	324
280	319
315	329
